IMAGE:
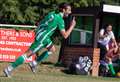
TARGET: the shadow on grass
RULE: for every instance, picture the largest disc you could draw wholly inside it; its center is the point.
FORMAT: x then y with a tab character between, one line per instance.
54	64
47	63
59	66
2	76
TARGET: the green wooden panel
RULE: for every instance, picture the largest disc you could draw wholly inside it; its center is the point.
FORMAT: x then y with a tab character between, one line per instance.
84	23
75	37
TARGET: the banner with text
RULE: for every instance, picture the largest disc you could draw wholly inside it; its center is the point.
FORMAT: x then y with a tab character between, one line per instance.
14	43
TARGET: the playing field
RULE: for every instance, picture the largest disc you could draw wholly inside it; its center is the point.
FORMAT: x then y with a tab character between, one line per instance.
48	73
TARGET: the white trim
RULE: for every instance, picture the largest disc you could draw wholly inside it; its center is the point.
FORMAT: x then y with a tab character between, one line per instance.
49	44
47	34
24	57
21	26
38	48
38	35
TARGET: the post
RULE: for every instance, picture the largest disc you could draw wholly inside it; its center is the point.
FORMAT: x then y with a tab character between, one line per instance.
96	30
95	66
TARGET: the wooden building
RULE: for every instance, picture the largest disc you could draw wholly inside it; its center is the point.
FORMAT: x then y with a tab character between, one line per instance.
83	39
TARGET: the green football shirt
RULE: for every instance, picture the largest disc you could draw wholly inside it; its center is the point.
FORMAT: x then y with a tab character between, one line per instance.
45	29
49	24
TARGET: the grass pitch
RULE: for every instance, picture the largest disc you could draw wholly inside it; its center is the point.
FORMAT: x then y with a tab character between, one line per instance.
48	73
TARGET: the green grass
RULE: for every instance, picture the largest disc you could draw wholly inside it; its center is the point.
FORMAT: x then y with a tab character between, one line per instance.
48	73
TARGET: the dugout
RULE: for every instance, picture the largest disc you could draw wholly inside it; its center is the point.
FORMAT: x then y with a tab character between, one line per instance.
83	39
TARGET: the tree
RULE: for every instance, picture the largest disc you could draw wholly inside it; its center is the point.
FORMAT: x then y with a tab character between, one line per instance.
9	10
29	11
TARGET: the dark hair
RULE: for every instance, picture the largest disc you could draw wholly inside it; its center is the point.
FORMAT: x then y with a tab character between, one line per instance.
63	6
105	26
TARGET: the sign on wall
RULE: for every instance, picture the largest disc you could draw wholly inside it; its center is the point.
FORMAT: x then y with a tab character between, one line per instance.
14	43
111	8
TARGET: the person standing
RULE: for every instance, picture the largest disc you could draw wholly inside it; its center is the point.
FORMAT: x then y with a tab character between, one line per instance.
106	36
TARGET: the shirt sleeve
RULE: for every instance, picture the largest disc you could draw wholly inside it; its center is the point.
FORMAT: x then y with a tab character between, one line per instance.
102	32
61	25
50	18
112	35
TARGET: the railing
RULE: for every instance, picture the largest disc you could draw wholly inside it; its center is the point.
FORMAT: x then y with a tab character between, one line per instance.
83	37
20	26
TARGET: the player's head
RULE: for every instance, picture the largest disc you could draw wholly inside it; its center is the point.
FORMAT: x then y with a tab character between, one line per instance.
65	8
108	27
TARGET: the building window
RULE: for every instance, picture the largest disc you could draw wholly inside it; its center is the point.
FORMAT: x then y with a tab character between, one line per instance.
83	32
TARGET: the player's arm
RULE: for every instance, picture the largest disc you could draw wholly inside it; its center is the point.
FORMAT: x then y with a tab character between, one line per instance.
114	41
66	33
102	35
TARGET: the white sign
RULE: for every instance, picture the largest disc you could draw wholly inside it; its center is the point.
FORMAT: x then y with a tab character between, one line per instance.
111	8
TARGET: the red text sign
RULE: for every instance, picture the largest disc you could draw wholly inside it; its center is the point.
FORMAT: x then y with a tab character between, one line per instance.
14	43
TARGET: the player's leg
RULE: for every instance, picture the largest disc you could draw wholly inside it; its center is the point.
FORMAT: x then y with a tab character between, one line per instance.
45	54
40	58
109	59
20	60
110	64
50	49
103	51
111	67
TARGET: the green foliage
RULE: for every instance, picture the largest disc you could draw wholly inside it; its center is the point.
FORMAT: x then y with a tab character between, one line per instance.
112	2
29	11
9	10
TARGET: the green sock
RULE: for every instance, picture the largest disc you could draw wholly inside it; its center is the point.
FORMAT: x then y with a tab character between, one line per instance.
112	69
43	56
107	66
20	60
